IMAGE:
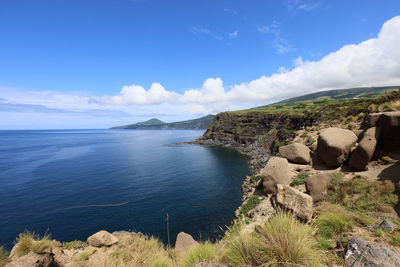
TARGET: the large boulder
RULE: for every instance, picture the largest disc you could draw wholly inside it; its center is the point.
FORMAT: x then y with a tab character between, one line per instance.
102	238
389	122
184	242
317	185
360	252
275	172
334	144
296	152
32	260
292	199
365	149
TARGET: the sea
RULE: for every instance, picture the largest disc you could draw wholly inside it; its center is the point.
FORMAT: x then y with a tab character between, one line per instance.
72	183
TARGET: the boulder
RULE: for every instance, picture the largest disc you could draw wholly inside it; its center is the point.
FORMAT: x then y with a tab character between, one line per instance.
317	185
334	144
389	122
275	172
292	199
32	260
102	238
365	149
184	242
360	252
297	153
387	226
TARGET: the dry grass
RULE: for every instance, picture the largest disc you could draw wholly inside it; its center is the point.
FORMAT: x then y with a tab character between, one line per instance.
29	241
141	250
202	252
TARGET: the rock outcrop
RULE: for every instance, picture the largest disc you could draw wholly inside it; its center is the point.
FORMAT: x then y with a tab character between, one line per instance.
334	144
184	242
389	122
360	252
275	172
365	149
296	152
317	185
102	238
32	260
387	226
292	199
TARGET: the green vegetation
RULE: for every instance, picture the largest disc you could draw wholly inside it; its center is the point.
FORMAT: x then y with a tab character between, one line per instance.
304	135
330	224
250	204
255	178
301	178
395	239
360	194
281	240
29	241
201	252
84	256
74	244
378	232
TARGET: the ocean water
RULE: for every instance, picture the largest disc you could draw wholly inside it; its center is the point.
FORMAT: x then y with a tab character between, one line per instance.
73	183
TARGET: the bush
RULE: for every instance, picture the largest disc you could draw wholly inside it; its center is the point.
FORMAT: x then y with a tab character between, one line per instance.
301	178
201	252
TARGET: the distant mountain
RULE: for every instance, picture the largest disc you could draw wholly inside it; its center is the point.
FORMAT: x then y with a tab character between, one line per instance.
156	124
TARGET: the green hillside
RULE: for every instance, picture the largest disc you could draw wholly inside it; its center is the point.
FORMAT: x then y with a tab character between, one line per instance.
156	124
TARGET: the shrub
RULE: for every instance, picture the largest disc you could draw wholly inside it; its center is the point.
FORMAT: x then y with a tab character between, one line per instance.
201	252
250	204
301	178
29	241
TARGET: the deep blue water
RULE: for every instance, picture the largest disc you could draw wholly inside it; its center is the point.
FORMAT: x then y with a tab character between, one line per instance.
73	183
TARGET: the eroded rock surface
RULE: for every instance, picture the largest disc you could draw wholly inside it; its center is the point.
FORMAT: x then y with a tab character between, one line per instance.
102	238
275	172
292	199
365	149
184	242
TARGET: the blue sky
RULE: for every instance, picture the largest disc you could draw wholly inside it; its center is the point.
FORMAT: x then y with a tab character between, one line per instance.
100	63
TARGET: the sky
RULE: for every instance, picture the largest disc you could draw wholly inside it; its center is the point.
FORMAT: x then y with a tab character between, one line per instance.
85	64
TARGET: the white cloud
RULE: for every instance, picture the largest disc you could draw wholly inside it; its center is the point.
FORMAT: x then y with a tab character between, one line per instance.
370	63
374	62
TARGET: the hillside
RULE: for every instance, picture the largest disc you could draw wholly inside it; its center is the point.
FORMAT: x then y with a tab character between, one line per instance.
156	124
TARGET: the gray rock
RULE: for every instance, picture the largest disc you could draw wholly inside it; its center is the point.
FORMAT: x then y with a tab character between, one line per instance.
32	260
292	199
275	172
360	252
317	186
334	144
184	242
265	208
296	152
387	226
365	149
102	238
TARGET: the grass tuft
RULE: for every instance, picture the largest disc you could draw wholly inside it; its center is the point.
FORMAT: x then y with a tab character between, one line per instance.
29	241
202	252
395	239
378	232
3	256
330	224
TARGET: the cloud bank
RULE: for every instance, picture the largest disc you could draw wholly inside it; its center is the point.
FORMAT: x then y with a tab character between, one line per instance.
374	62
